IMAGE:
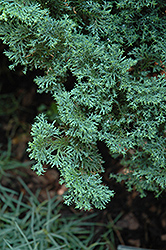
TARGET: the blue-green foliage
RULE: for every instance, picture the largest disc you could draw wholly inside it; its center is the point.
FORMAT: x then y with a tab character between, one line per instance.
115	51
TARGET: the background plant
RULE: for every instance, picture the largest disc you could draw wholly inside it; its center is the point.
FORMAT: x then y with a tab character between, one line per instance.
104	64
27	223
9	163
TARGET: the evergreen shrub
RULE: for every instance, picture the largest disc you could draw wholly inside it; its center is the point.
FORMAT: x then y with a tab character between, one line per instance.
104	64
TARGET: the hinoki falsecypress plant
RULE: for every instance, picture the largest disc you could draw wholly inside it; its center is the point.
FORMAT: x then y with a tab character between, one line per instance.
115	52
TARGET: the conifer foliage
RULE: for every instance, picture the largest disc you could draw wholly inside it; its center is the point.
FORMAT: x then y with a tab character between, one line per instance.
115	52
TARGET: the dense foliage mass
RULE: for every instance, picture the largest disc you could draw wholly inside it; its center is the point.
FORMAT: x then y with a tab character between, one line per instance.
115	54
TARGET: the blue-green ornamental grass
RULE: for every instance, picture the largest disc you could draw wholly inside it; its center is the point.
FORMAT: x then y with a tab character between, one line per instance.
28	224
115	52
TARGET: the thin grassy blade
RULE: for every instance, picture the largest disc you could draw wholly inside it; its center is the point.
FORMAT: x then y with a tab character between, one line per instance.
21	232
